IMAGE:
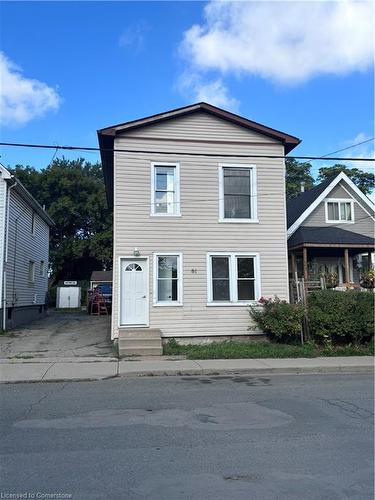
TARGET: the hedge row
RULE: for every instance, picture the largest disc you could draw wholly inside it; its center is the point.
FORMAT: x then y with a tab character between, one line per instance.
333	316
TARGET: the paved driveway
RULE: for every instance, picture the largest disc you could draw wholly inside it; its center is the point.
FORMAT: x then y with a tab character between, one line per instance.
61	334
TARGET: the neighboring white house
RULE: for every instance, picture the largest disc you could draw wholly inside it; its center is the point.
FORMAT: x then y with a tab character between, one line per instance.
24	253
199	222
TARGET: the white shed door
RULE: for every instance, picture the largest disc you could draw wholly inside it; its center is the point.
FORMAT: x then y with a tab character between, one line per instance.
69	297
134	300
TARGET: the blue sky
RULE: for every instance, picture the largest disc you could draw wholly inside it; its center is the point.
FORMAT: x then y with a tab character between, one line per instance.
100	63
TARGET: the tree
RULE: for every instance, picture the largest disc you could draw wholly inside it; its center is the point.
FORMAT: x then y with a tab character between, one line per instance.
73	194
365	181
296	174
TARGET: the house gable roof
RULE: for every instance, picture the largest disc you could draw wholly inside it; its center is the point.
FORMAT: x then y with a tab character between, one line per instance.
299	208
106	135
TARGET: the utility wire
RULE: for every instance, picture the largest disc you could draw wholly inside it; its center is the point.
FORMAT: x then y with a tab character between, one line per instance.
175	153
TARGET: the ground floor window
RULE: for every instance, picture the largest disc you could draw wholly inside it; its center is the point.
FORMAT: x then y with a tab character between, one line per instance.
233	277
168	279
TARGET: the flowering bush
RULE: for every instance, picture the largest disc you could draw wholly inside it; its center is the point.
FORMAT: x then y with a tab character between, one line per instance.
277	318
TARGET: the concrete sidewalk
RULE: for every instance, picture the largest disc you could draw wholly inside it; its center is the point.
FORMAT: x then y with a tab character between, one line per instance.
73	369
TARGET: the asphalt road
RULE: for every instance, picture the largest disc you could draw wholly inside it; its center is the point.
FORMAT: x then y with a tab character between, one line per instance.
207	438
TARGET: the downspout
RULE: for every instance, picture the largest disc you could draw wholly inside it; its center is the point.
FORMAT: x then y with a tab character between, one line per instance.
7	208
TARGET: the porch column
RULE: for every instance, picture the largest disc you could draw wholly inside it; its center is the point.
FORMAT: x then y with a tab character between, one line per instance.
346	266
369	260
294	264
305	269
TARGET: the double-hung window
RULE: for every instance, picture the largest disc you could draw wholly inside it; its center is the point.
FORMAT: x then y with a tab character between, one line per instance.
165	189
233	278
168	279
237	193
339	211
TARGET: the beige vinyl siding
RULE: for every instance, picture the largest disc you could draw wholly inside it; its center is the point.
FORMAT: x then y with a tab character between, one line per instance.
198	232
200	126
23	247
363	221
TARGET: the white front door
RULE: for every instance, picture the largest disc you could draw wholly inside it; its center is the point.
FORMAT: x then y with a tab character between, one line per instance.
133	296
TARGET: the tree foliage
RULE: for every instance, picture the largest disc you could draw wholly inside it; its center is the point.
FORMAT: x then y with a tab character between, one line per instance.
365	181
300	172
296	174
74	196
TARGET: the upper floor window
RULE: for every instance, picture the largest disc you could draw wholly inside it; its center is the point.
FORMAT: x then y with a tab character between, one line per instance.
165	189
339	211
237	193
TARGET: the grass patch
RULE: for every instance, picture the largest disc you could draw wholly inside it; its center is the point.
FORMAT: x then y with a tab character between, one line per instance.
237	350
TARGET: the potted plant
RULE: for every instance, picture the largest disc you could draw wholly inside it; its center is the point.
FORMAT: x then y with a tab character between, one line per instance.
368	279
331	279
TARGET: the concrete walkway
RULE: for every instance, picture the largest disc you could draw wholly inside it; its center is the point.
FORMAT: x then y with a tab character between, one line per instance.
75	369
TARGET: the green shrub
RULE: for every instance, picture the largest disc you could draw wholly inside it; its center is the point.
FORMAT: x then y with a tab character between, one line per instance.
281	321
341	317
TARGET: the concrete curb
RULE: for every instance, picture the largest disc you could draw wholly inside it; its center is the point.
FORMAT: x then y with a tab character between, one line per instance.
69	371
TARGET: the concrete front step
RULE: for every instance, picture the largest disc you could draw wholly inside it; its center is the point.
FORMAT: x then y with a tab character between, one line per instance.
138	333
140	342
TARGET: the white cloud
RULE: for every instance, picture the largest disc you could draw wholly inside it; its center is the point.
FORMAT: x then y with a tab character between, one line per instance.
23	99
287	42
214	92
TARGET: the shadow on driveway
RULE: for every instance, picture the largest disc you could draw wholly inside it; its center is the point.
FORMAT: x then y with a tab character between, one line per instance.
60	334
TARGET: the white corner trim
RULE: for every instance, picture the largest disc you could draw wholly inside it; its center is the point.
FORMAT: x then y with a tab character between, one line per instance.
341	177
180	286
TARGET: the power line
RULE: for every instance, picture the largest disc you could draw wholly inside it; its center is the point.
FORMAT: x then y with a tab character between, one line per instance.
348	147
175	153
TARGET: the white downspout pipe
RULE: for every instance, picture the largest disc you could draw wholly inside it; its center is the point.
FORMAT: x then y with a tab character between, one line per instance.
5	263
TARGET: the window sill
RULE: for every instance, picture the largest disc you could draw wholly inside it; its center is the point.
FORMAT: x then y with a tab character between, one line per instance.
340	221
165	215
232	304
239	221
167	304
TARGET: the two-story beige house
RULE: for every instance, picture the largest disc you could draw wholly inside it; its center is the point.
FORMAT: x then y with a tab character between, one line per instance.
199	223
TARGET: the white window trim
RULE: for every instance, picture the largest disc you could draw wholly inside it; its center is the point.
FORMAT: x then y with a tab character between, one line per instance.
31	272
180	286
177	208
42	272
233	278
33	223
339	200
253	193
